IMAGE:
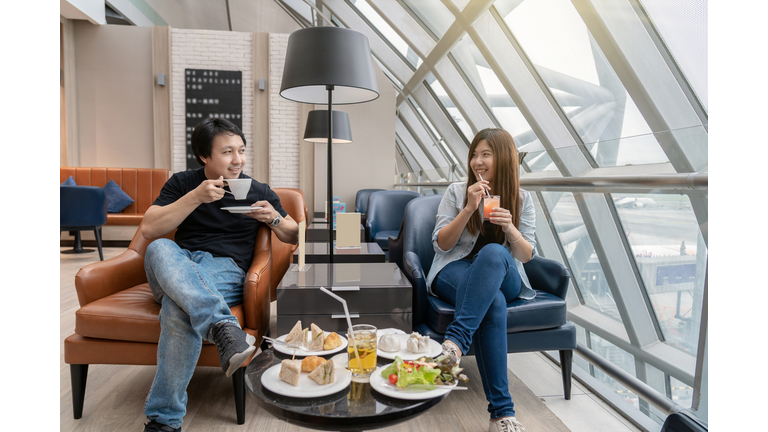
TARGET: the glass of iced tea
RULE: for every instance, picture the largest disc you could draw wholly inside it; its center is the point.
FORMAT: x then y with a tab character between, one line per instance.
490	202
362	350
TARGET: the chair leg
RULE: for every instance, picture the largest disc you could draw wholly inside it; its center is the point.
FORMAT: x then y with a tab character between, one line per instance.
79	375
238	382
566	366
97	233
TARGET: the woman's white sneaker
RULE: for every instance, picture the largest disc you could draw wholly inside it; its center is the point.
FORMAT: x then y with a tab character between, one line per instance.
507	424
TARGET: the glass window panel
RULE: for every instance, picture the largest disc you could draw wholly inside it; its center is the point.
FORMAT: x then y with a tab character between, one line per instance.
584	262
302	8
493	93
671	257
438	138
434	14
682	25
450	106
388	32
581	79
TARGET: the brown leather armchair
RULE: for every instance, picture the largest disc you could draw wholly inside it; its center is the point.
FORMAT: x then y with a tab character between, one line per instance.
293	202
118	323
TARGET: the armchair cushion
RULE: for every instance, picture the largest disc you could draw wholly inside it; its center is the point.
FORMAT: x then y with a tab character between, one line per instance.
130	315
385	213
117	200
543	312
382	238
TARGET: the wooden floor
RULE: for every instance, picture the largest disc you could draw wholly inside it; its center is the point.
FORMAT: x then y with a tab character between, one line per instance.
115	395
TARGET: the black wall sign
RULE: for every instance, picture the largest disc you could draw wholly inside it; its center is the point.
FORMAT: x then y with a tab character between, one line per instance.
211	93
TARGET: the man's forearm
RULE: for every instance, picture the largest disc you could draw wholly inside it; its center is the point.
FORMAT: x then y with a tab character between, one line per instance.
287	231
160	220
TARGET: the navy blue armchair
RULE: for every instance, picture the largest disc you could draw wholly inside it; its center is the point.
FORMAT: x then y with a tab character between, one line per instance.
82	208
385	214
532	325
361	202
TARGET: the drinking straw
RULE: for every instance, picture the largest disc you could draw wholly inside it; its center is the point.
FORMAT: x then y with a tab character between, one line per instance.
349	323
486	190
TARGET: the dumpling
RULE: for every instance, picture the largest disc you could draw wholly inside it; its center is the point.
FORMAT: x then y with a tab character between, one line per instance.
417	343
311	363
389	343
332	341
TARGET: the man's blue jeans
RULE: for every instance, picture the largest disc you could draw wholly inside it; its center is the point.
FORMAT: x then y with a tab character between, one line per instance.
480	288
195	290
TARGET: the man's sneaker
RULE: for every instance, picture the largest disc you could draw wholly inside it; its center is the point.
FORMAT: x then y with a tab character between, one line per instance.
154	426
507	424
231	342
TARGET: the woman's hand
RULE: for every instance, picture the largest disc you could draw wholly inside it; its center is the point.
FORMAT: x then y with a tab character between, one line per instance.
475	193
501	216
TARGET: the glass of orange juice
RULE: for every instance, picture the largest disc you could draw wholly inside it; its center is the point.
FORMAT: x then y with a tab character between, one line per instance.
490	202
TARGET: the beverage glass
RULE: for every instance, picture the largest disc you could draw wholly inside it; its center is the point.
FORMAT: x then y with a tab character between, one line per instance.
239	187
362	350
489	203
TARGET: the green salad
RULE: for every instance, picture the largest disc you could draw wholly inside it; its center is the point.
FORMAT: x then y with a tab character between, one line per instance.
424	373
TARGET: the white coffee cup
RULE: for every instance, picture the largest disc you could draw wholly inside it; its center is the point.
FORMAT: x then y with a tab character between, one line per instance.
239	187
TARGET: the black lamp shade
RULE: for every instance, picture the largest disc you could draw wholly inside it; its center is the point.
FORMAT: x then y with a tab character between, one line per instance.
317	57
317	127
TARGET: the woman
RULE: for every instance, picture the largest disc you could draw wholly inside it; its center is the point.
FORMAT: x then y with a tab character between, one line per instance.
478	263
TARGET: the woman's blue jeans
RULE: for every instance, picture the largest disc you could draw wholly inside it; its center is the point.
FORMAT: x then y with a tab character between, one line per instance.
195	290
480	288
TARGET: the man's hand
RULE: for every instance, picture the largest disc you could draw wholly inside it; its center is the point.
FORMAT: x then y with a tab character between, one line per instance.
265	214
210	190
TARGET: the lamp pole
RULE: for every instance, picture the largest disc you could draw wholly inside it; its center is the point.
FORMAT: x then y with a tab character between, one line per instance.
330	173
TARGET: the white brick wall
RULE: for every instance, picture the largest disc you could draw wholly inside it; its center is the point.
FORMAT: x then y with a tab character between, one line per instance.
217	50
223	50
283	121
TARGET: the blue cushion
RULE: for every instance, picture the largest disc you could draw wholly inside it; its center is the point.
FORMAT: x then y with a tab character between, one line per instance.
69	182
117	200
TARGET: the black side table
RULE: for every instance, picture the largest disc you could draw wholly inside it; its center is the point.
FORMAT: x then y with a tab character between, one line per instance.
356	408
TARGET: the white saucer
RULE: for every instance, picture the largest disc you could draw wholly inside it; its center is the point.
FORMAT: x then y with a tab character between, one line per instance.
381	385
241	209
303	353
306	388
434	350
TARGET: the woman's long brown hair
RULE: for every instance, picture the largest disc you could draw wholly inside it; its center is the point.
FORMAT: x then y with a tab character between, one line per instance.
506	177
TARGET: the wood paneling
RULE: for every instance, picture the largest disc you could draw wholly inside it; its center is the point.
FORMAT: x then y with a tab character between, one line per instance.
161	97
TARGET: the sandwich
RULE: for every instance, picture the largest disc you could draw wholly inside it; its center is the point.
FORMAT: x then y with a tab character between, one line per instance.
290	371
294	336
332	341
318	338
325	373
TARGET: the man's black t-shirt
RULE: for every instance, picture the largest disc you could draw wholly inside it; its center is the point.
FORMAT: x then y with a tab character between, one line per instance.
209	228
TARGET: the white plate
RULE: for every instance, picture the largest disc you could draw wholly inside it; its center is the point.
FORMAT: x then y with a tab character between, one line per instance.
306	388
434	349
303	353
241	209
381	385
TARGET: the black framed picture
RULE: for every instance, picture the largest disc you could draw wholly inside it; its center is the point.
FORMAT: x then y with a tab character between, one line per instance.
211	93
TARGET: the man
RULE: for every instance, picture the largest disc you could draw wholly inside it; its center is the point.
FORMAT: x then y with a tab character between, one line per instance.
200	276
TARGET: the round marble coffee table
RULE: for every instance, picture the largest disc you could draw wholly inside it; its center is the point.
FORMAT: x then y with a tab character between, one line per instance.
357	407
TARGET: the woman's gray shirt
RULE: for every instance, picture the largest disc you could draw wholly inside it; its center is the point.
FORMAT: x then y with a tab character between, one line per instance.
450	206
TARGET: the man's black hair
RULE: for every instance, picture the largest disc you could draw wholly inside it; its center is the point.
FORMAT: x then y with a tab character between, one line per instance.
206	131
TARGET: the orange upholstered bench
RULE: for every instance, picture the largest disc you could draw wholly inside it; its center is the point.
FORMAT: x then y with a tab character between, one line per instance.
143	185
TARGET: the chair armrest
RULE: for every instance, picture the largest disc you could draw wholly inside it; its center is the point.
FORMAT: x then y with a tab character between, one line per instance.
104	278
548	275
256	299
414	272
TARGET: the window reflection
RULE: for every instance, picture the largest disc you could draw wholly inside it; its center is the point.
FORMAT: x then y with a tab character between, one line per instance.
667	246
584	263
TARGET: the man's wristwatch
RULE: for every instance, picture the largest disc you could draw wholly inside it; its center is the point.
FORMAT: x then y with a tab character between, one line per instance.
276	220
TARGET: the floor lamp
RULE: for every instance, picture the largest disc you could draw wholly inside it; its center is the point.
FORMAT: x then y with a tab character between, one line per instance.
317	132
324	65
